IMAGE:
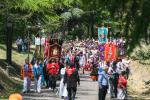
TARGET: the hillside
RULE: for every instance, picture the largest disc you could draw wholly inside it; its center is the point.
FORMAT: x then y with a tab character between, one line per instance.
139	81
8	84
11	82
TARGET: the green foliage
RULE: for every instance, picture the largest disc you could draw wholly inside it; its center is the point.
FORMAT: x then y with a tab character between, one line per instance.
131	17
35	5
76	12
66	16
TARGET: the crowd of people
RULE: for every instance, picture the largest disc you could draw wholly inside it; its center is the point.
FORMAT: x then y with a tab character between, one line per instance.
111	72
79	56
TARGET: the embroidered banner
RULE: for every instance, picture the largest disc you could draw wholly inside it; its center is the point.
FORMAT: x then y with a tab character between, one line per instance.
102	34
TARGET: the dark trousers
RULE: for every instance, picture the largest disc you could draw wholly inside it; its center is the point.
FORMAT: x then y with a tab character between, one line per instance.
71	93
19	48
115	85
127	72
102	92
46	78
52	82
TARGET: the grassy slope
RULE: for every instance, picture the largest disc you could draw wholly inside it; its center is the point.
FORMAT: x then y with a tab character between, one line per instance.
12	83
8	85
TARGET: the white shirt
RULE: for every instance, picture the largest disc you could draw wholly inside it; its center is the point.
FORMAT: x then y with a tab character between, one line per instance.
120	67
37	41
42	41
110	70
62	72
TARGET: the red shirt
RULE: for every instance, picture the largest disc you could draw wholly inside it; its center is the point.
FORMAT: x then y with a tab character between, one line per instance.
122	82
52	69
57	65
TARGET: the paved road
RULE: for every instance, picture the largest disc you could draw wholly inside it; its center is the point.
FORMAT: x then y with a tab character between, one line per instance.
87	90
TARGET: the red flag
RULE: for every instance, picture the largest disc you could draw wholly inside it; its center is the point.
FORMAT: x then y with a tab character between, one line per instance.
114	52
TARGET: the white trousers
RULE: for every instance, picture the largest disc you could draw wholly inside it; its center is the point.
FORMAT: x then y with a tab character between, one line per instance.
26	84
37	84
63	89
121	93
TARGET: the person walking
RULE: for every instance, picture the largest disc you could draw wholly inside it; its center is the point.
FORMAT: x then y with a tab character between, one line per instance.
76	61
26	75
37	72
82	61
52	71
113	79
71	78
62	88
45	72
122	84
103	84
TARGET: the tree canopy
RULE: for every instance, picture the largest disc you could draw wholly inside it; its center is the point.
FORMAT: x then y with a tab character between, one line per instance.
79	17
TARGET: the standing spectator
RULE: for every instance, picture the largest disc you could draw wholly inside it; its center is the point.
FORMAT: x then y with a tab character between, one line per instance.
37	44
19	43
25	42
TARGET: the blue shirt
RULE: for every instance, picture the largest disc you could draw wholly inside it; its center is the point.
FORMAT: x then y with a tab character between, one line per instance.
37	70
103	79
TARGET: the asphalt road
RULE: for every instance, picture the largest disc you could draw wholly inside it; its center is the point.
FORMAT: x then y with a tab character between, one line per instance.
88	90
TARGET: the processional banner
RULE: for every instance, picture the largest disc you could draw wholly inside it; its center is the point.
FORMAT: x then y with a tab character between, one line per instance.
102	34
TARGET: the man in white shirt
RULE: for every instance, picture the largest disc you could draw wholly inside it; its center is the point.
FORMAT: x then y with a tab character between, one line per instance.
120	66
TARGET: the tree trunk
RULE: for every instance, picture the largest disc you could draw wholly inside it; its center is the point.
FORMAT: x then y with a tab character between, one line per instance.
88	31
9	34
92	29
92	25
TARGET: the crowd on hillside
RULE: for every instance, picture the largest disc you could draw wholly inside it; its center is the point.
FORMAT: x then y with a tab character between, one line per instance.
79	56
22	44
